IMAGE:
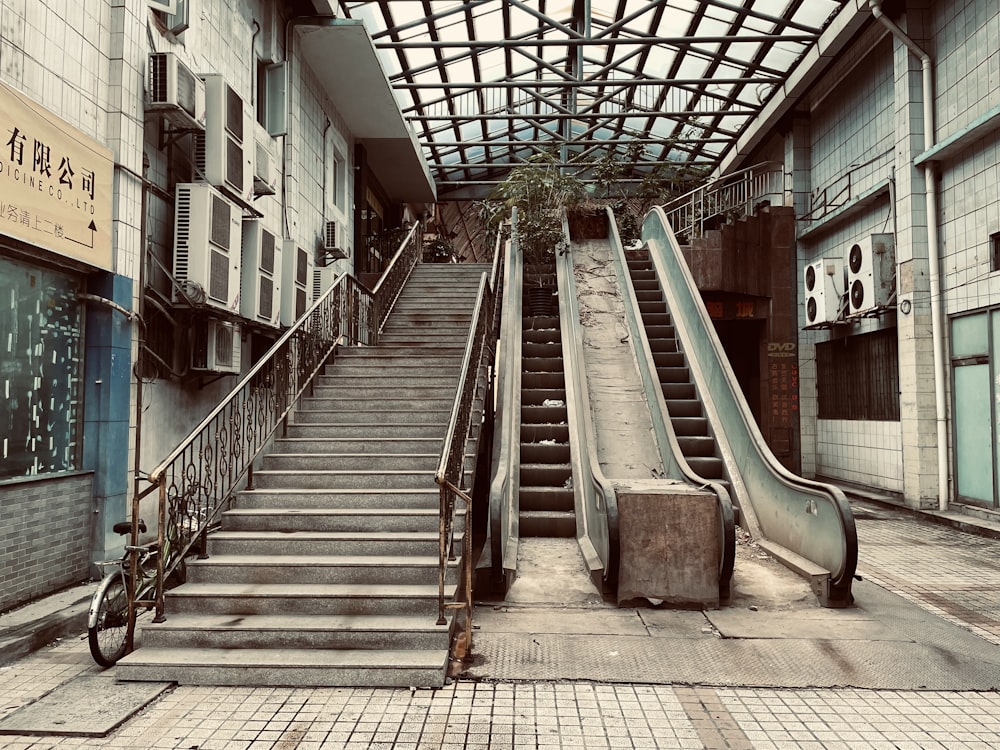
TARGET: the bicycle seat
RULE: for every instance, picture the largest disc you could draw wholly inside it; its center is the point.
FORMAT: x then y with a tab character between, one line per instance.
125	527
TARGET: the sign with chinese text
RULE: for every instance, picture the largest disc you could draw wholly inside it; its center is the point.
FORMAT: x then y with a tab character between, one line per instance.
55	183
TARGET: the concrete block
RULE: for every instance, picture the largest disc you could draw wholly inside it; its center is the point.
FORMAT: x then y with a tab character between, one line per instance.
669	537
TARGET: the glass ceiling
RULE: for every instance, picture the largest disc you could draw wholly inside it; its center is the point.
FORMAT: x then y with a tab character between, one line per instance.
488	83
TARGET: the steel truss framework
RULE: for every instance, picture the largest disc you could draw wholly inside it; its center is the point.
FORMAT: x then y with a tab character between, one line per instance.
488	83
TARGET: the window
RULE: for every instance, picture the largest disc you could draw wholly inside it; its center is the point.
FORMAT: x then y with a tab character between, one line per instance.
858	377
271	102
995	251
40	371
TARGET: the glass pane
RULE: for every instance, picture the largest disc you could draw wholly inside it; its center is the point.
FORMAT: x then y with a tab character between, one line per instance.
973	434
968	336
39	370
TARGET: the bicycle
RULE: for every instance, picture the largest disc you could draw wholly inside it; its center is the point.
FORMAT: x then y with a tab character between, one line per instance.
107	620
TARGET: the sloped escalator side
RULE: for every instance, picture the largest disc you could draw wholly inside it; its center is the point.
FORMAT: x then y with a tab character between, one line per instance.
808	525
674	463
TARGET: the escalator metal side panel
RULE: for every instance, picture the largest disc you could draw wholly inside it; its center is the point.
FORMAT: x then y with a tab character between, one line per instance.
595	501
505	483
807	524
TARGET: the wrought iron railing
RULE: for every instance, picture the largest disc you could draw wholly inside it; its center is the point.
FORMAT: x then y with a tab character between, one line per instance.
197	480
735	194
390	284
451	472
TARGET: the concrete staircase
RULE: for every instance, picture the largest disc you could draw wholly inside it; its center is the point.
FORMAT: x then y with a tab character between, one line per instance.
326	574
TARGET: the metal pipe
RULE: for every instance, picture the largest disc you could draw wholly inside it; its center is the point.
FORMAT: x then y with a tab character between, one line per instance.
933	249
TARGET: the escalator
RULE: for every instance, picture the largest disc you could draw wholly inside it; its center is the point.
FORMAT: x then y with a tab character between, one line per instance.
805	524
690	425
546	496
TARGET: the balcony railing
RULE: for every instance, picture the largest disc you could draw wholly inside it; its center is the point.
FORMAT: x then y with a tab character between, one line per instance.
735	195
197	480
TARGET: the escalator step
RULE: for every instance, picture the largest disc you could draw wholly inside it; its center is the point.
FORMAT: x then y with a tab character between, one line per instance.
673	374
684	407
660	332
662	345
546	499
540	336
708	467
652	295
678	391
547	524
538	396
545	453
656	319
539	322
536	433
658	307
689	425
670	358
542	364
545	475
535	350
696	445
543	414
543	380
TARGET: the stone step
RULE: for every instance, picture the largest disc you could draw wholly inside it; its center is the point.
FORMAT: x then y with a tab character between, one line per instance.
343	480
362	499
418	379
280	667
388	390
346	520
356	446
390	429
305	598
375	416
364	570
311	542
395	632
425	462
346	402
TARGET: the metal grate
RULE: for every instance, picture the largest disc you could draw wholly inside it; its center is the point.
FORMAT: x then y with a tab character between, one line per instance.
858	377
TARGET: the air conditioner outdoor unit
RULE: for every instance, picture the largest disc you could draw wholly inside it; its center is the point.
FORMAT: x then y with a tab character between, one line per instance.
207	239
323	278
871	273
264	173
216	346
823	284
175	92
296	282
260	284
223	156
331	250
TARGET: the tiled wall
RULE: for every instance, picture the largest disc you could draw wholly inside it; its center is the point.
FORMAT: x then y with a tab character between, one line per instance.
867	453
967	83
296	211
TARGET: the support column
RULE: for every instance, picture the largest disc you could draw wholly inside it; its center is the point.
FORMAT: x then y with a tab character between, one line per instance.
918	423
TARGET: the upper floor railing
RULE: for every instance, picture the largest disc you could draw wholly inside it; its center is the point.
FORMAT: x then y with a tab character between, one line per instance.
199	477
733	196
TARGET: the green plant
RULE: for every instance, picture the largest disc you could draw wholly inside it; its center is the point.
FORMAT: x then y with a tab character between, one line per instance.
538	189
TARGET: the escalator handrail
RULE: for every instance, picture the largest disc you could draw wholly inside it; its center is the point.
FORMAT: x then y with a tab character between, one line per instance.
836	554
674	464
505	482
591	488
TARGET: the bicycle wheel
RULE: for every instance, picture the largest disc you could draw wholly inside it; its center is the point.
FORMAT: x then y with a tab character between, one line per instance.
107	636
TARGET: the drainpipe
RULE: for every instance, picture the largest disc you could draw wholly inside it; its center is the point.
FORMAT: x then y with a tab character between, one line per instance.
933	250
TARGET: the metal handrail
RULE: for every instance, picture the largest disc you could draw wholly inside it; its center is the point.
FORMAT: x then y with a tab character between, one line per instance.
387	290
807	525
739	190
198	478
451	466
594	496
